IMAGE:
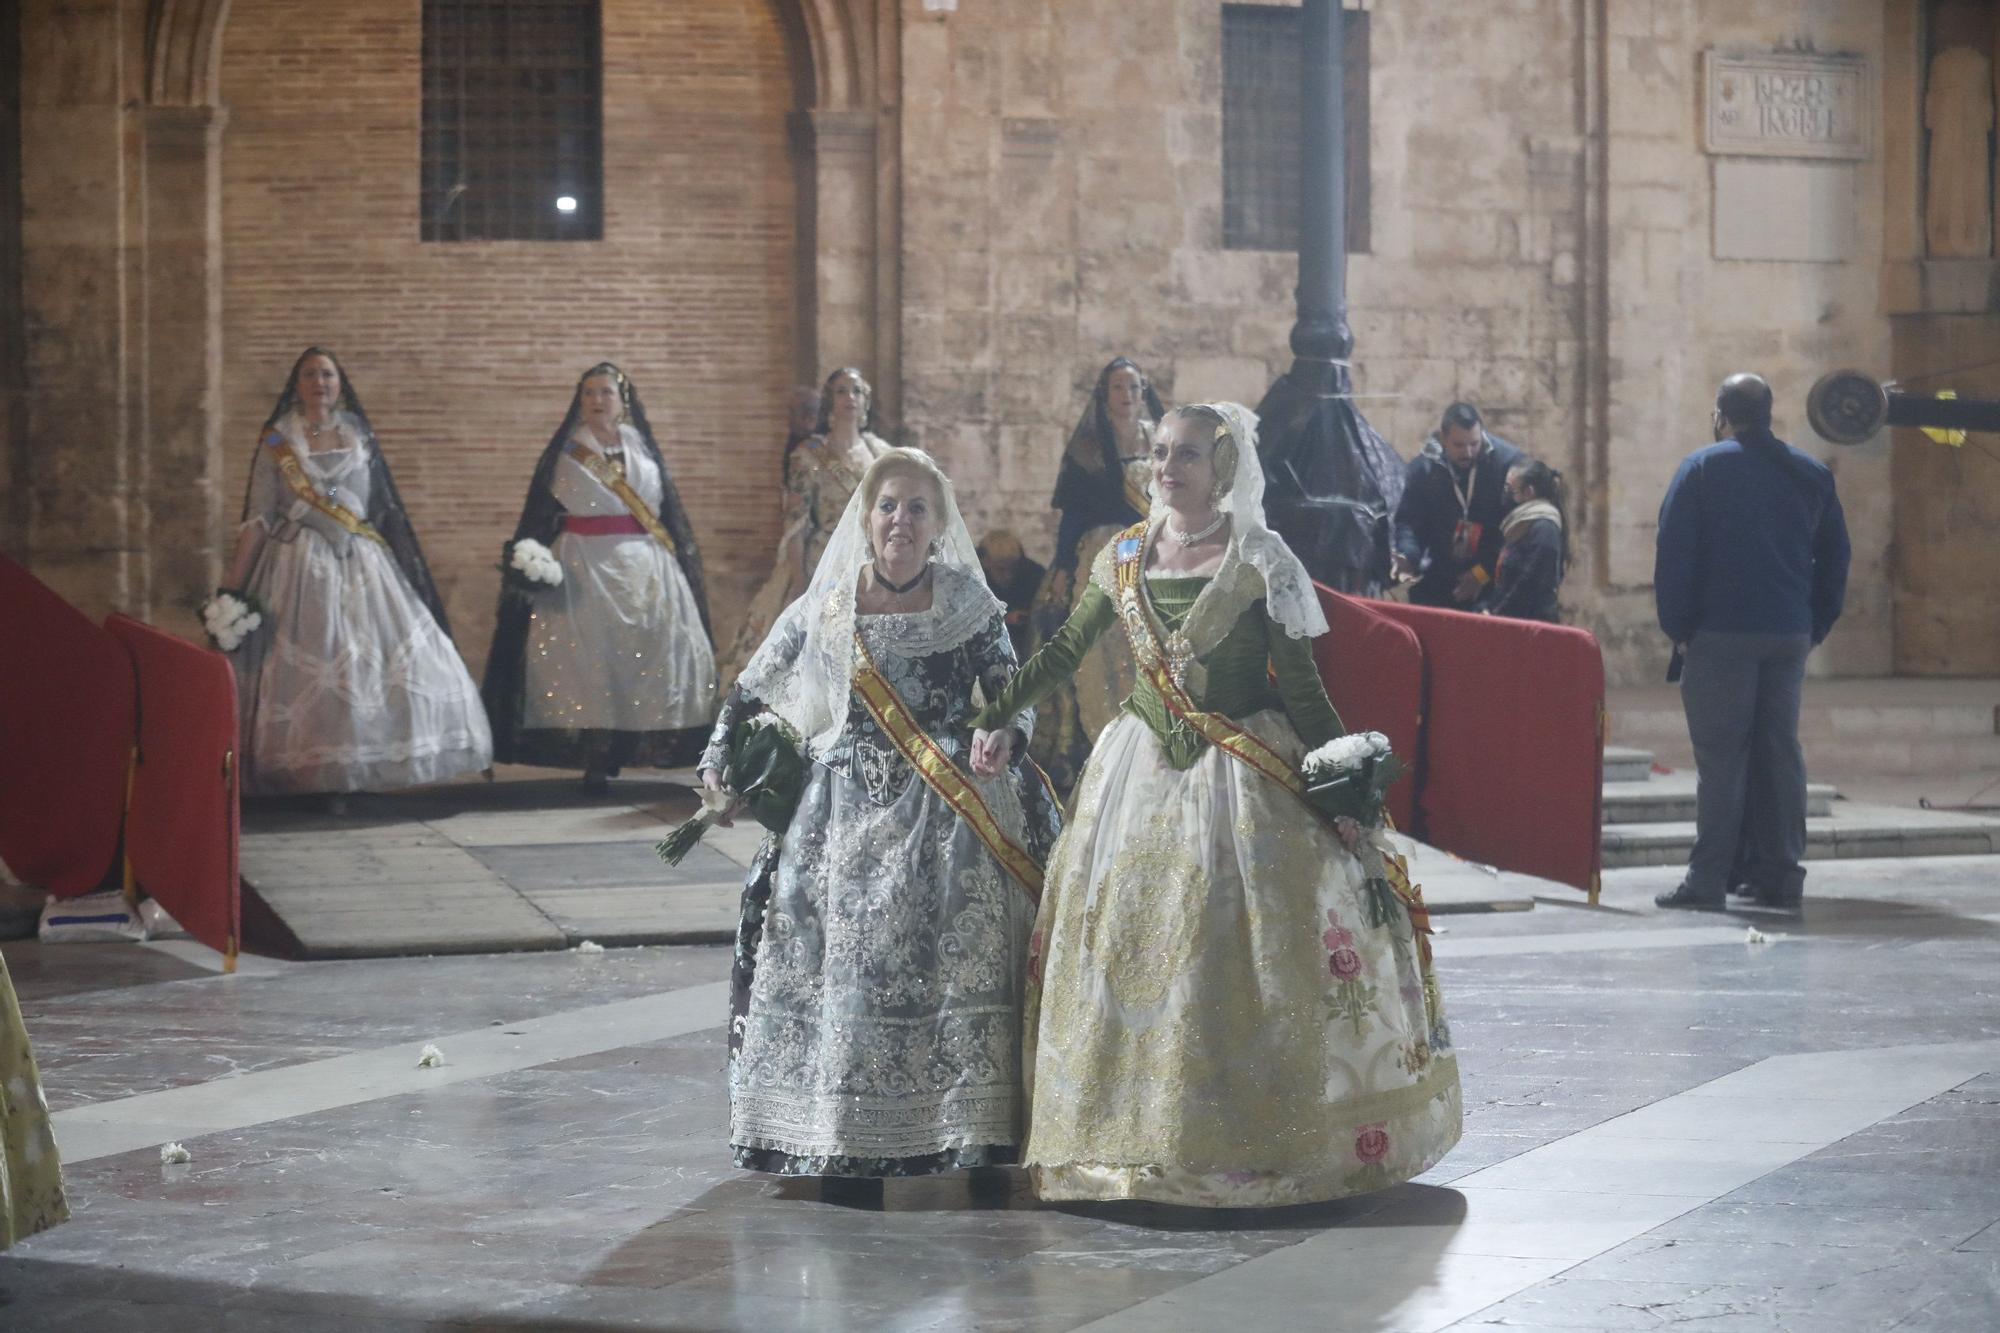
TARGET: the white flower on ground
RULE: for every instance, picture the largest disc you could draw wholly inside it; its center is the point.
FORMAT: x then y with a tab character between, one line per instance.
430	1057
173	1154
590	946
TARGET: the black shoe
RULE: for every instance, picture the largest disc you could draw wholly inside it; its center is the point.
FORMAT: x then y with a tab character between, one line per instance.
1745	890
1681	899
1781	902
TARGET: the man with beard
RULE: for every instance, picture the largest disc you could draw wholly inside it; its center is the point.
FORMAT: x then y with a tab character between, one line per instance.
1447	538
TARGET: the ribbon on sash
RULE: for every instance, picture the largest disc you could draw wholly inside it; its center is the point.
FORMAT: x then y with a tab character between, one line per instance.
938	771
302	487
1161	662
1135	495
611	480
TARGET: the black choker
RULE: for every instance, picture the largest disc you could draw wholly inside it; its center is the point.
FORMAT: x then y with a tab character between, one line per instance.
899	589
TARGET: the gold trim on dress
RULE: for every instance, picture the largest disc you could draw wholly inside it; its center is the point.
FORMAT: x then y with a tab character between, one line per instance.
302	487
611	480
938	771
1163	659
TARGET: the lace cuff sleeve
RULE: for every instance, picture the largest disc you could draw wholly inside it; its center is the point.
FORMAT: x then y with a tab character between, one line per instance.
716	755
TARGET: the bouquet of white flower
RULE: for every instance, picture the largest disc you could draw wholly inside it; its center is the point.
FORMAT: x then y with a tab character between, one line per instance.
1351	775
528	563
230	617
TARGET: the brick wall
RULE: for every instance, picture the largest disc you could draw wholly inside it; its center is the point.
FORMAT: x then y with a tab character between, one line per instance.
465	354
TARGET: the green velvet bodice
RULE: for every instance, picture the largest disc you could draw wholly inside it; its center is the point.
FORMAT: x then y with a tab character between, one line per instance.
1239	670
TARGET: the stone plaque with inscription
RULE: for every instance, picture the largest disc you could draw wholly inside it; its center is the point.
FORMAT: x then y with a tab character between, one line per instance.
1787	105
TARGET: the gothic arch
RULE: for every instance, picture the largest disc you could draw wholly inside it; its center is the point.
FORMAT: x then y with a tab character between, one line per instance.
184	51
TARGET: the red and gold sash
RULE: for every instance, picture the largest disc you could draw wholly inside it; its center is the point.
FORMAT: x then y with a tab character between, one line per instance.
1156	663
302	487
938	771
612	480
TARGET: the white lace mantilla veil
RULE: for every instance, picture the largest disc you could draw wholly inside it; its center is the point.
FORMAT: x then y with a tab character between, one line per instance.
810	691
1287	588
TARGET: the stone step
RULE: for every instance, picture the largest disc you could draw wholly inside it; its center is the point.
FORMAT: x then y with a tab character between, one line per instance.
1666	798
1626	765
1962	721
1852	831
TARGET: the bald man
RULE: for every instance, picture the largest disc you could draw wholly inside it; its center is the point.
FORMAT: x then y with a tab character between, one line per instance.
1749	574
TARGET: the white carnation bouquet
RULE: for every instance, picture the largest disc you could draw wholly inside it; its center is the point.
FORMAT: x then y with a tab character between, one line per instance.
1351	775
530	564
230	617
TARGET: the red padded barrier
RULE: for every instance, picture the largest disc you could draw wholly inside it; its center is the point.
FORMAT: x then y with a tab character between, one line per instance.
66	729
182	831
1513	754
1373	667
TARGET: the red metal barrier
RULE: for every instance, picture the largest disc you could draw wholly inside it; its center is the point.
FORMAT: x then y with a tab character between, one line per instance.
181	833
1512	766
66	734
1373	667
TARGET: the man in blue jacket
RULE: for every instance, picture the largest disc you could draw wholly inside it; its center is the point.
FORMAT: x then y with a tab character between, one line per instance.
1749	575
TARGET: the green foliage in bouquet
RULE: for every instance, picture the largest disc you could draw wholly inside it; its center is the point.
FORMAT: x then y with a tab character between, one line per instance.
766	770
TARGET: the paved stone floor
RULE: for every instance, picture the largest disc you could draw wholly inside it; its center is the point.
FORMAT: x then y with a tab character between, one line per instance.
1667	1124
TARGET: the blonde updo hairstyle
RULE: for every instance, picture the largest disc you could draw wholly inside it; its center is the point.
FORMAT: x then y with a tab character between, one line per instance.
902	463
1223	459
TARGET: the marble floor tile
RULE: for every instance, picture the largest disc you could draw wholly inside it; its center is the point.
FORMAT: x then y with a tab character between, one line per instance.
1660	1127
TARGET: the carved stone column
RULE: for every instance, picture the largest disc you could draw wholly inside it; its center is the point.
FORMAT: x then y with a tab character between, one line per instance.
76	223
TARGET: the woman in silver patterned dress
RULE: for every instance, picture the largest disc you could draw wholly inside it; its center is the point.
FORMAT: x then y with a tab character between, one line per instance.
881	964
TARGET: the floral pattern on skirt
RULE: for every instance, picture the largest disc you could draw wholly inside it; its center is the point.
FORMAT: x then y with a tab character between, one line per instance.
31	1188
1227	1008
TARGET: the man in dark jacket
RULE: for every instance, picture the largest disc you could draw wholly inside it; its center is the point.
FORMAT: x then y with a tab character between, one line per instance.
1448	522
1749	575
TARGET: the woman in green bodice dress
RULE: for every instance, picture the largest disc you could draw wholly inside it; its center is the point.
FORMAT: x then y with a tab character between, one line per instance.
1229	1004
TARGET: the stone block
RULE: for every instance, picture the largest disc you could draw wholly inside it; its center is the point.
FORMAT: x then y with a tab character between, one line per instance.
1036	282
70	177
70	53
1243	379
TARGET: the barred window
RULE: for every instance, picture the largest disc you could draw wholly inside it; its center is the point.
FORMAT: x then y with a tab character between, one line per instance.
513	121
1262	47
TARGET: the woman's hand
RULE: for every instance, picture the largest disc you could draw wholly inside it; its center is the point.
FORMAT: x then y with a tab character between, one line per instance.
712	781
992	751
1350	833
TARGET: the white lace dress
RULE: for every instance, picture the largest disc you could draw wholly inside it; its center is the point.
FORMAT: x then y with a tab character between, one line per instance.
881	1030
350	684
619	644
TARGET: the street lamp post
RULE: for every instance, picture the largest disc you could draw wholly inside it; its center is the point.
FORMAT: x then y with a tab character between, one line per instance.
1332	482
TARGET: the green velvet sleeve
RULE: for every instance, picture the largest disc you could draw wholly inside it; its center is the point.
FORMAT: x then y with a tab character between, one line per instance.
1302	690
1054	663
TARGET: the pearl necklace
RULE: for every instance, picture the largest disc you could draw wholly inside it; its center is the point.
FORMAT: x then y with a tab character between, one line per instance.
1187	539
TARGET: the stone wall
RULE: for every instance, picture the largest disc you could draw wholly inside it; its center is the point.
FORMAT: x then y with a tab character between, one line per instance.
1679	320
1538	249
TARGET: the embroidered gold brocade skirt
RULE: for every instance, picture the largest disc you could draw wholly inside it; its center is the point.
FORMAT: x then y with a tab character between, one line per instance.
1223	1011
